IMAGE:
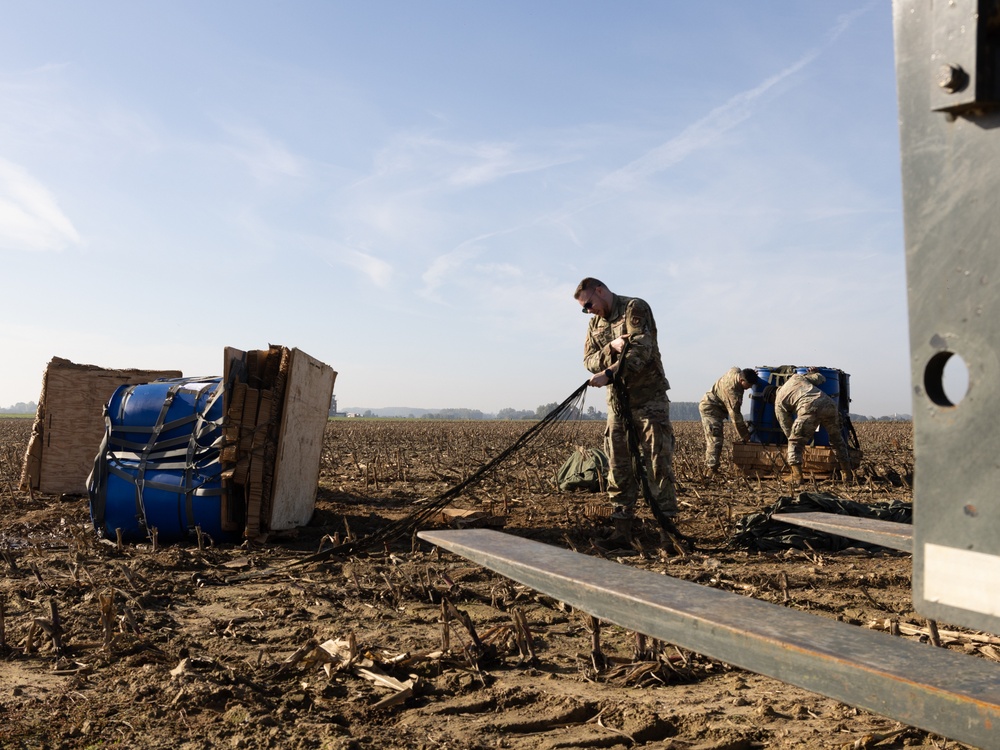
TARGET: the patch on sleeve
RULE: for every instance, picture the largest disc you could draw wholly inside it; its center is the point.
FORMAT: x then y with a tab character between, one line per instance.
635	320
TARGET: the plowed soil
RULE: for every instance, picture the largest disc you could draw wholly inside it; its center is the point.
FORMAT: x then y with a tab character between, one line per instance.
219	646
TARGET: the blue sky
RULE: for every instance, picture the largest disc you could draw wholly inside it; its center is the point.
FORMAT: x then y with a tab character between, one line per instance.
410	191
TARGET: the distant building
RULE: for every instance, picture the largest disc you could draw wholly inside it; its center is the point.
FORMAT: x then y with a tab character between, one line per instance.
333	407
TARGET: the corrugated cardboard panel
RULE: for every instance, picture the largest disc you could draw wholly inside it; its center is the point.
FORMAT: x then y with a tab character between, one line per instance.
69	425
300	442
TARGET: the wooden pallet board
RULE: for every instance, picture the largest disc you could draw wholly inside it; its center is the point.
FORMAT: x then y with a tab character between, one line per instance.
308	391
757	459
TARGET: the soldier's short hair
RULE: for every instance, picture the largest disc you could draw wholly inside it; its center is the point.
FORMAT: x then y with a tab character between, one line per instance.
751	376
586	285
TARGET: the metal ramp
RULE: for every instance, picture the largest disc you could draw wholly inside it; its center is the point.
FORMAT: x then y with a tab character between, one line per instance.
897	536
949	693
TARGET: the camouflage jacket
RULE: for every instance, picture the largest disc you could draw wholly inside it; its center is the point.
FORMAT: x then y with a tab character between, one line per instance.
799	391
728	393
643	370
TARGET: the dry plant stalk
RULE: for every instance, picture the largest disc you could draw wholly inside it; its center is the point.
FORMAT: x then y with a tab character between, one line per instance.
106	602
11	560
300	653
29	639
933	630
51	627
36	573
522	634
445	631
596	657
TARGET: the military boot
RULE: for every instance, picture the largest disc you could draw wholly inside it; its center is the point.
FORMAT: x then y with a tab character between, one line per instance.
796	475
623	526
846	472
621	539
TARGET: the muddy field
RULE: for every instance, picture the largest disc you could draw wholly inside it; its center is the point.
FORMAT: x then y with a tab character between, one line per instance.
220	647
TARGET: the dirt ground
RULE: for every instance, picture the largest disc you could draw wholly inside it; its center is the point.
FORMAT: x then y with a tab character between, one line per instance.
219	647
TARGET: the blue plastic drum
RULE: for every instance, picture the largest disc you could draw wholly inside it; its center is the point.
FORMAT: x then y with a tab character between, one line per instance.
766	429
159	465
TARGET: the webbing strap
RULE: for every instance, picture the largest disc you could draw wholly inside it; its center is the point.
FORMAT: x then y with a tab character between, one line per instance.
200	428
196	489
97	482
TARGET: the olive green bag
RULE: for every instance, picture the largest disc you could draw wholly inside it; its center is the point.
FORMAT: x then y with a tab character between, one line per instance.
586	470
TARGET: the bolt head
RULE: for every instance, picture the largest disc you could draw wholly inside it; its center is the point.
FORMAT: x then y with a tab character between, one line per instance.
952	78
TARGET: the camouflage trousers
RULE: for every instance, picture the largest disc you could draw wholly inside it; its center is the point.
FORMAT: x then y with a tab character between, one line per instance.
656	439
800	428
712	418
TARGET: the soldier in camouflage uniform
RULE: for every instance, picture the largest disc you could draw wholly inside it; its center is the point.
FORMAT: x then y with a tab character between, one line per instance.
617	320
800	407
725	399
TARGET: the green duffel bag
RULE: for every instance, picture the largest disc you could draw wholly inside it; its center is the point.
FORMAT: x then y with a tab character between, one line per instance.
586	470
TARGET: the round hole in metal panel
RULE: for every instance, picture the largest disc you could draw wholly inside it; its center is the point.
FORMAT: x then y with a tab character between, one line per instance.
946	379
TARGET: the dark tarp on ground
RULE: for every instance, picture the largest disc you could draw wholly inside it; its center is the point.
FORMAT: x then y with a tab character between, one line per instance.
757	531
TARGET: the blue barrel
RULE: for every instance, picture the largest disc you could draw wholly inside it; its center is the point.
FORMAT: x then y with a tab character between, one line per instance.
831	387
766	429
159	464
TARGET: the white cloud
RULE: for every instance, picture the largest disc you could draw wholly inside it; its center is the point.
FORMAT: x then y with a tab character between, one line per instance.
701	134
436	164
481	164
708	130
30	217
378	271
506	270
266	158
444	266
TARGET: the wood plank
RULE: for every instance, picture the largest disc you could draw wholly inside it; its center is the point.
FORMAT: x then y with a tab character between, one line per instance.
304	416
898	536
950	693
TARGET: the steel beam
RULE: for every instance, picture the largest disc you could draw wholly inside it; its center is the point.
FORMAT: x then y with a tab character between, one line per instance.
951	177
898	536
952	694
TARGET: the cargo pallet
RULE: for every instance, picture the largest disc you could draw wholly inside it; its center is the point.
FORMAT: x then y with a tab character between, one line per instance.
762	461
